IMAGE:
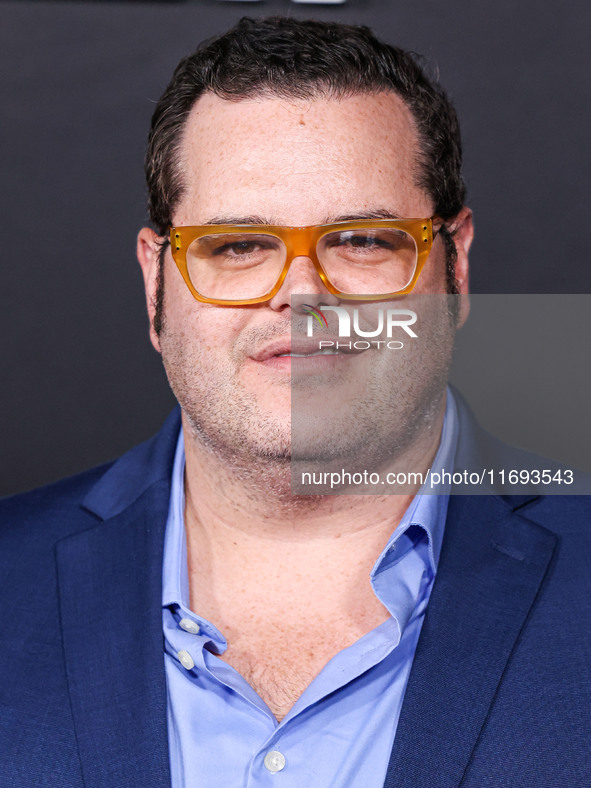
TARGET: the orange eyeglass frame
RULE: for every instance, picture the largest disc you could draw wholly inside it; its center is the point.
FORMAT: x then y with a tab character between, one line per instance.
302	242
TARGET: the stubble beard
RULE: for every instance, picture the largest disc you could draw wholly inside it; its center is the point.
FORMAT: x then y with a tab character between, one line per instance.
224	419
398	408
387	415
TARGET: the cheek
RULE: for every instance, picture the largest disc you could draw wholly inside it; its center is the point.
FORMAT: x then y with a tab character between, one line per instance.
202	334
185	318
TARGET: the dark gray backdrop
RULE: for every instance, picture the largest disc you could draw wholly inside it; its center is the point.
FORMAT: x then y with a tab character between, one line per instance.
80	381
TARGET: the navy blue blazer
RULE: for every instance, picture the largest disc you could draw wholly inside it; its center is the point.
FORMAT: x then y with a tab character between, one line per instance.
500	688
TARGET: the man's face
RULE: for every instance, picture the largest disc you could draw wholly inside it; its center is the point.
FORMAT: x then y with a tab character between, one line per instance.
280	162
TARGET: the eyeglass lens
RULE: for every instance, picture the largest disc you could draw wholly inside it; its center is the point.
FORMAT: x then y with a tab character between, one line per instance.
358	261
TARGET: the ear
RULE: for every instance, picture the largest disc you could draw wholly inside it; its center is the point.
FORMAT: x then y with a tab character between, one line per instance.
148	254
462	230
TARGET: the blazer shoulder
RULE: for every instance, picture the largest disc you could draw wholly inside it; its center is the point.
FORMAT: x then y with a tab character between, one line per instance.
564	515
514	473
50	511
36	520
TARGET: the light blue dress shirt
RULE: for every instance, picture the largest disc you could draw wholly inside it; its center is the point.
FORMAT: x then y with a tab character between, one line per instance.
341	730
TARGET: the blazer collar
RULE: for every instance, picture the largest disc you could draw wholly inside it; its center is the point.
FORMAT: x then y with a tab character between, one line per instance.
135	472
110	591
492	566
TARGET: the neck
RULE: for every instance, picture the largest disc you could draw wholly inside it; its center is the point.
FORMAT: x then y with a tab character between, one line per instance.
224	500
268	562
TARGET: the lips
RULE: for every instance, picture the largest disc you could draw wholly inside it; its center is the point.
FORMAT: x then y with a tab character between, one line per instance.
301	348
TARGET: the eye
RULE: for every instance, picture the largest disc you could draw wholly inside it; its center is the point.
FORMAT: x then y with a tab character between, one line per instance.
369	241
237	248
365	241
360	243
235	251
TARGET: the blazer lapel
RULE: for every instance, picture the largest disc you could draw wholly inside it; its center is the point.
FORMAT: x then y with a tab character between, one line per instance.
492	564
110	590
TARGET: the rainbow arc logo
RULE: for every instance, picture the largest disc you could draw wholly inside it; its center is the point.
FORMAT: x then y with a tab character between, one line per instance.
311	310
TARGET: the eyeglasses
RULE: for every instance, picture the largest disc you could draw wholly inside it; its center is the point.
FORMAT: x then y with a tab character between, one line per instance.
235	265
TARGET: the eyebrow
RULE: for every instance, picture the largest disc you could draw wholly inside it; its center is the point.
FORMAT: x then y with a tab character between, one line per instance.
238	220
379	213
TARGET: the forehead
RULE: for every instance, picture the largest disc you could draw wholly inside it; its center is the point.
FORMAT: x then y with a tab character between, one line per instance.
299	161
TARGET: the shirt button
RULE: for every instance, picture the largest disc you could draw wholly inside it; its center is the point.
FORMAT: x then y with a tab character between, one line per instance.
185	659
189	626
274	761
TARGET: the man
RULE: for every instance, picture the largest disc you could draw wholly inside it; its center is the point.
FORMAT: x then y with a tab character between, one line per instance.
181	616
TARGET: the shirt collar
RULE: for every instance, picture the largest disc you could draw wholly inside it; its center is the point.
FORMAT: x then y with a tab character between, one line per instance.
175	574
427	511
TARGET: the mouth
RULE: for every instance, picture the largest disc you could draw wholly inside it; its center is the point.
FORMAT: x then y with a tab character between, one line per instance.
288	349
327	351
288	357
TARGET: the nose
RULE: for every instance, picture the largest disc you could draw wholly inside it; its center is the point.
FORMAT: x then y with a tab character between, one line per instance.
302	278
